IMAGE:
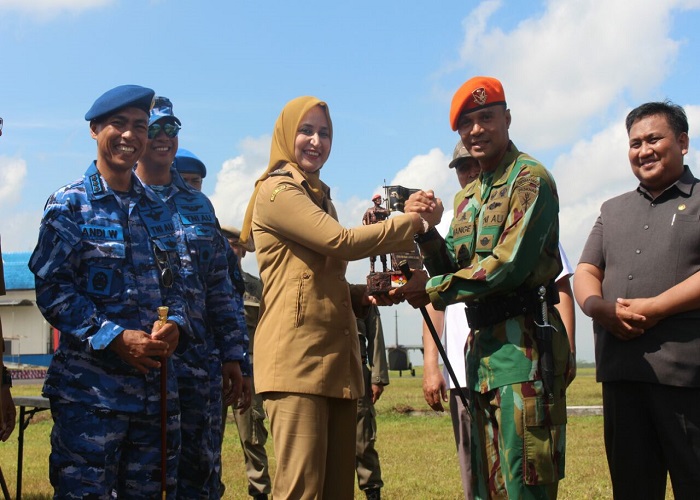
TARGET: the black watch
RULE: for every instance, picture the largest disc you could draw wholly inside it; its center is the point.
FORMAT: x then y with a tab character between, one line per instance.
430	234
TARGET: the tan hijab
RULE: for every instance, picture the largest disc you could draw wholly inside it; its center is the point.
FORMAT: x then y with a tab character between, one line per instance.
282	151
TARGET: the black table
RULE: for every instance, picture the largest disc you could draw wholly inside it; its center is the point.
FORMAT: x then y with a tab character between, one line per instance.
28	407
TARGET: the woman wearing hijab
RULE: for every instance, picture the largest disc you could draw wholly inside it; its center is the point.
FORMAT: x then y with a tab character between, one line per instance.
307	355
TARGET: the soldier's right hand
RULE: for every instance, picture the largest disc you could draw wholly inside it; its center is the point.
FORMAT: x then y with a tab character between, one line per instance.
414	291
138	349
169	333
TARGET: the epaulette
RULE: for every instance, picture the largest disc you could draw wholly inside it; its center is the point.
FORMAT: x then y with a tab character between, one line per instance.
279	172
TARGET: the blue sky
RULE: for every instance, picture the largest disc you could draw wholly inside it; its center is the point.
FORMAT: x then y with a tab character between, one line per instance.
571	70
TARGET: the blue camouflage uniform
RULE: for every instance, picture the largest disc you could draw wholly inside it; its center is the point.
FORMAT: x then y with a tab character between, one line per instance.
96	276
215	313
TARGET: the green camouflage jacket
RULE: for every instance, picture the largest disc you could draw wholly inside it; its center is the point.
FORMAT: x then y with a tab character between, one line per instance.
504	236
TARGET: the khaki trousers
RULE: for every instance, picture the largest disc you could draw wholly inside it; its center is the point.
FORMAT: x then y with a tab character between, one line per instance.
314	442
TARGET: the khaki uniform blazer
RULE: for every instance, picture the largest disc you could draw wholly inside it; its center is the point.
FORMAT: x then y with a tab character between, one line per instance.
306	341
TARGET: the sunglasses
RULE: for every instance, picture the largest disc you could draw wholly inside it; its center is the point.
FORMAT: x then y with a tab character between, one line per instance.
163	262
170	129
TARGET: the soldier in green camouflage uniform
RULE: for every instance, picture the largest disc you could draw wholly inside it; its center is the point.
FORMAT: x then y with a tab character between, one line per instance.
501	250
375	371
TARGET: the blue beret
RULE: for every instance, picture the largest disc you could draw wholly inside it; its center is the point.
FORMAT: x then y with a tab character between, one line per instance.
186	162
162	108
124	96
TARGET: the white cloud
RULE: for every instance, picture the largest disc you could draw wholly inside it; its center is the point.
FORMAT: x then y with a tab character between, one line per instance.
45	9
13	172
597	169
574	62
592	171
20	230
427	171
236	180
693	114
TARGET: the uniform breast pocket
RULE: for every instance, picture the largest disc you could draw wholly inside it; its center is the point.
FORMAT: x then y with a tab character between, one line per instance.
200	243
491	227
495	214
102	269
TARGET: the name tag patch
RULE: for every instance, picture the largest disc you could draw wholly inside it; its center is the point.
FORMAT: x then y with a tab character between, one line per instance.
105	233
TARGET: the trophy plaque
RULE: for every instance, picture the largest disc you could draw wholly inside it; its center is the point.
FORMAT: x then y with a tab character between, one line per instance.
389	277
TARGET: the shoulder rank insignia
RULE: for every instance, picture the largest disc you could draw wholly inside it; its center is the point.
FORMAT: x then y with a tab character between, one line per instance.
280	172
277	190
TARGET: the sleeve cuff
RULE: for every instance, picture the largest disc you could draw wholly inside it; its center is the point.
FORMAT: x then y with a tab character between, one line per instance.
105	335
436	300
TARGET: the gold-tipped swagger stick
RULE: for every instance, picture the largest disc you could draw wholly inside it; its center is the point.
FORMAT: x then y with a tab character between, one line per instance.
162	319
163	315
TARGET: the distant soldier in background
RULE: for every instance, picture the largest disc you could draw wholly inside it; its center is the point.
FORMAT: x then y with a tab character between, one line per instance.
376	375
251	422
191	169
375	214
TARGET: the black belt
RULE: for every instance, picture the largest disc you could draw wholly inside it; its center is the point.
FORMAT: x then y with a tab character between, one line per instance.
497	309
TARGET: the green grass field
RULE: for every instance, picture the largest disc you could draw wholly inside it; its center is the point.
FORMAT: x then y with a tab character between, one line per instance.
417	452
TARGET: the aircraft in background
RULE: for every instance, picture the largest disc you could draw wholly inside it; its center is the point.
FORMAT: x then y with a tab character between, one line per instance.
397	354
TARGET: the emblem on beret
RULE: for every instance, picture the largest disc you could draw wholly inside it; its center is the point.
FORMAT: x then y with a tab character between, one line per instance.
480	96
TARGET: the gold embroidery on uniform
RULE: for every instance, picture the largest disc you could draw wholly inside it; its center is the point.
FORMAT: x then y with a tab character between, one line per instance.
276	191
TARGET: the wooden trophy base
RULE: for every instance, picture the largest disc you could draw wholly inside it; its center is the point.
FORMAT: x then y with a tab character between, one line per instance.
383	282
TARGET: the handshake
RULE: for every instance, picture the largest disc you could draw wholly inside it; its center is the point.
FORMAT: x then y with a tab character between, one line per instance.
427	205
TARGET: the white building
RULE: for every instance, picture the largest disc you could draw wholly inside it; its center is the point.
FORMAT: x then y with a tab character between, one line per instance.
29	339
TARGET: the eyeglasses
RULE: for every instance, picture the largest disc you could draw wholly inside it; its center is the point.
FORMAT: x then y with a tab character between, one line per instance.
163	262
171	129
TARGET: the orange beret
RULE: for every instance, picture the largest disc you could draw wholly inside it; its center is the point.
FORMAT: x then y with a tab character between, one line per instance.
476	93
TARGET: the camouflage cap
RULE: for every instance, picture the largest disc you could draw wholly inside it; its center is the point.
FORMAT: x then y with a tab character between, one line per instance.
459	154
162	108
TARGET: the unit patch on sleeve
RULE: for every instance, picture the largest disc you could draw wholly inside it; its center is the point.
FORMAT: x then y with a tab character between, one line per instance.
527	189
